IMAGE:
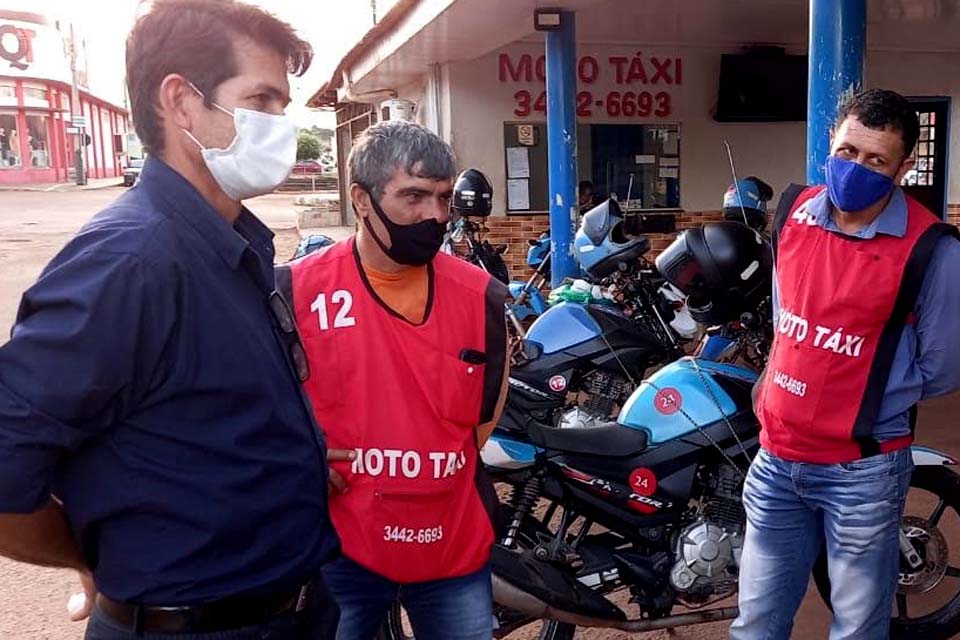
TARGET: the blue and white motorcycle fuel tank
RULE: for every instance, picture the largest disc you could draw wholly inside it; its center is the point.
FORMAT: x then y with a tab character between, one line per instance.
563	326
682	397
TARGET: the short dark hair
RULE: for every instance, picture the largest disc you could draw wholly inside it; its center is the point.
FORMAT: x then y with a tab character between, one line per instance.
882	108
195	39
585	184
396	144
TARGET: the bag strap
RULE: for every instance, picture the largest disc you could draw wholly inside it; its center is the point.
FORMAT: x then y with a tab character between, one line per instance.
787	199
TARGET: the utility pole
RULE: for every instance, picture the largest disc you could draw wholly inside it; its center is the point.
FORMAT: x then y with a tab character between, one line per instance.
76	117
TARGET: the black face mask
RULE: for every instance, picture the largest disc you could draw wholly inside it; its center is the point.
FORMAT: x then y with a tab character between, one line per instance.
411	244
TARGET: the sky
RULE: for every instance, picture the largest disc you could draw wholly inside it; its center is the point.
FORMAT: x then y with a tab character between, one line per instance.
331	26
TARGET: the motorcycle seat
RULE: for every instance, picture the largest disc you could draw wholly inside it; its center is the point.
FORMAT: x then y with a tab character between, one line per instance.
610	439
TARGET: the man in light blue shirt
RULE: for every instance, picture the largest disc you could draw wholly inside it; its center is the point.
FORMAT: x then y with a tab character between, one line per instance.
808	487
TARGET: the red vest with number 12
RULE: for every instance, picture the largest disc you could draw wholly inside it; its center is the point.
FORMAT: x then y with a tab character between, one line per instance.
843	305
408	399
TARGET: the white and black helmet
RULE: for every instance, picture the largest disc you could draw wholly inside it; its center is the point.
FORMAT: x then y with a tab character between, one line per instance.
724	269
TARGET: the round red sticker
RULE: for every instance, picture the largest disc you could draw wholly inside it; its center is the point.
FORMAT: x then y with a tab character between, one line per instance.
668	401
643	482
558	383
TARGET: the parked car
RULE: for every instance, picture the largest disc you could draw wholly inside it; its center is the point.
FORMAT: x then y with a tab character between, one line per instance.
132	173
307	167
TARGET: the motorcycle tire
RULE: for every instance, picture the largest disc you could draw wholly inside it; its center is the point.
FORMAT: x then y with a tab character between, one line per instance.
944	623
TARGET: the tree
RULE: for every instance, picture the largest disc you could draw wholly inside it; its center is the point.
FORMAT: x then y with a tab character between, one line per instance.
308	146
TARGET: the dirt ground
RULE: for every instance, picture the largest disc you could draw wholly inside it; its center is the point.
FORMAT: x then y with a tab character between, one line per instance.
33	226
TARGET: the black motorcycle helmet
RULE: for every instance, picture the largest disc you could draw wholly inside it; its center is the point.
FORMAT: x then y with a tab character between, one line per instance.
748	198
724	269
472	195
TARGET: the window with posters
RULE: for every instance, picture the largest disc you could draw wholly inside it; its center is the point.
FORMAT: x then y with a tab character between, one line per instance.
38	139
638	164
628	137
9	141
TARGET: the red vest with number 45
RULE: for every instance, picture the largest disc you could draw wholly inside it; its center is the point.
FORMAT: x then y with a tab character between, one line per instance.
408	399
843	306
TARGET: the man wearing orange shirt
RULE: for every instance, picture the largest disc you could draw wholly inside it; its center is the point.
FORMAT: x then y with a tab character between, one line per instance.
413	346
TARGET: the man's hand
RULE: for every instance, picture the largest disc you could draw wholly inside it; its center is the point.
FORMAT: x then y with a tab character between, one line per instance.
80	605
338	455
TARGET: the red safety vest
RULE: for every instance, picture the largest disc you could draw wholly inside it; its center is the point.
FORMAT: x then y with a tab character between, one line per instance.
408	398
843	305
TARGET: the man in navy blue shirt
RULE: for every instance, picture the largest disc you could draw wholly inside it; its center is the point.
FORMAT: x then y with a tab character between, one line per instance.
153	434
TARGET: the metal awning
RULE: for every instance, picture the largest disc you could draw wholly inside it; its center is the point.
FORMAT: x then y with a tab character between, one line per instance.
416	34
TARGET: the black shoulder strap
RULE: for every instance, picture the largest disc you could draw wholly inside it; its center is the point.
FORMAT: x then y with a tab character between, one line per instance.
912	281
787	200
496	348
284	278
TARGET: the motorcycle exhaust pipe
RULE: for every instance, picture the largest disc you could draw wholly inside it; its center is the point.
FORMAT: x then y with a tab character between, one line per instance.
510	596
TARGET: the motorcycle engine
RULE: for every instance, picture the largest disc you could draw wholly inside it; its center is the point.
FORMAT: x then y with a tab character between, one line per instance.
605	393
708	550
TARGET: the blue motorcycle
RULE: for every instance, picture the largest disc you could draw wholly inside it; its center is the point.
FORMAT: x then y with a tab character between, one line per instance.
528	301
649	505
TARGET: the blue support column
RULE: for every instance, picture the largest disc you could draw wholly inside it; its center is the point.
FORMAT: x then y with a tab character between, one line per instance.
838	41
562	145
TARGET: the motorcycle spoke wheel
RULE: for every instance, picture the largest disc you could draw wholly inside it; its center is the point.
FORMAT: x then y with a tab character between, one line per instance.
927	603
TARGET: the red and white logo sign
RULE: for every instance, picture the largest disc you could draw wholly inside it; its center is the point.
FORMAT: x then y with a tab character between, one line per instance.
668	401
16	46
643	482
558	383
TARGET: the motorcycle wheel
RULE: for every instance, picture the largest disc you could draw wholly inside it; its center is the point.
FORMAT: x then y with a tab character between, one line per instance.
931	543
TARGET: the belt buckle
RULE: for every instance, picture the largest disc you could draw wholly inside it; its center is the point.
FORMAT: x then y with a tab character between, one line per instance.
302	598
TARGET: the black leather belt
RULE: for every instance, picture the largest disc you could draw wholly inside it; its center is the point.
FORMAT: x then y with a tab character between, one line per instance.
222	615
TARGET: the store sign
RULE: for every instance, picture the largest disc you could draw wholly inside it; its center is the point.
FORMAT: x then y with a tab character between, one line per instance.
16	46
34	51
614	86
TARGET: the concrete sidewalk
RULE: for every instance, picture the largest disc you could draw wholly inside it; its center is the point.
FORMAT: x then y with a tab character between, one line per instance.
92	184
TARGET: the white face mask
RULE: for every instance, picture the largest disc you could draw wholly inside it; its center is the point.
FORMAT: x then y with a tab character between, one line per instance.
260	157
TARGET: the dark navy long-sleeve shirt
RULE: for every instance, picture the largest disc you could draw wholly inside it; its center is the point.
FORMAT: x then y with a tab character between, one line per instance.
147	387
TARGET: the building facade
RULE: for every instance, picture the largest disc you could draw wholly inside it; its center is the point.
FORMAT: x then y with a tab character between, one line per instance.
37	140
662	89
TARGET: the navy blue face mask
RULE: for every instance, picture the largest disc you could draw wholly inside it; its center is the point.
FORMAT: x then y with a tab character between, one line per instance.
853	187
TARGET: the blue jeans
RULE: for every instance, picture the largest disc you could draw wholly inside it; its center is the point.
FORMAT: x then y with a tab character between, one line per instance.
792	509
317	622
450	609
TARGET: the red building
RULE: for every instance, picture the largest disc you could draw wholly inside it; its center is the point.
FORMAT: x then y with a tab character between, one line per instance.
35	107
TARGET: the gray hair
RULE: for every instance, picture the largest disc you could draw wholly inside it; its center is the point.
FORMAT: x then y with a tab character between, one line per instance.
387	146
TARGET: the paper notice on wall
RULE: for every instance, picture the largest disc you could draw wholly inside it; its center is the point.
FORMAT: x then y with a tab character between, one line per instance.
669	172
646	159
671	145
518	194
669	162
518	162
